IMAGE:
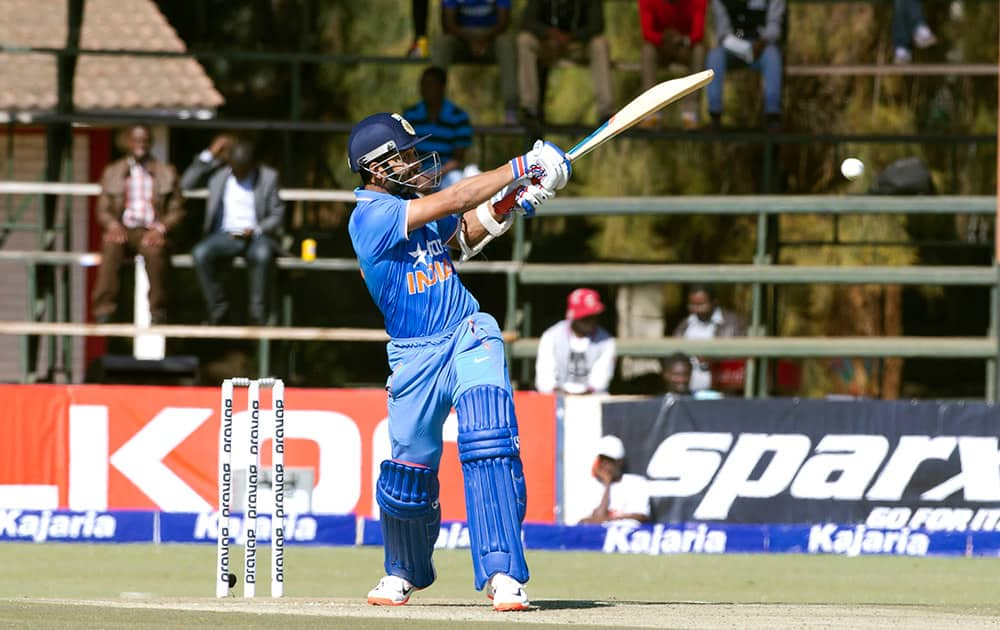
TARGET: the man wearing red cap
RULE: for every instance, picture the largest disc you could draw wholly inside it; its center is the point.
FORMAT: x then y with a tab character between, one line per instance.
576	355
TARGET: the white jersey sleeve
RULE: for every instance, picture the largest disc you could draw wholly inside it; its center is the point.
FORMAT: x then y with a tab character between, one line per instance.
603	369
545	363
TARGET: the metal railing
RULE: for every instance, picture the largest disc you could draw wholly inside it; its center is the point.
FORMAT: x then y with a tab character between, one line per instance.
519	272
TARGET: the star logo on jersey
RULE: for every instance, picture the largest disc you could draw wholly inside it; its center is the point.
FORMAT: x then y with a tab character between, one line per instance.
420	254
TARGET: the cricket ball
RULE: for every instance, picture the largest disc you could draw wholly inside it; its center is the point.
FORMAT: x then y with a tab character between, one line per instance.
852	168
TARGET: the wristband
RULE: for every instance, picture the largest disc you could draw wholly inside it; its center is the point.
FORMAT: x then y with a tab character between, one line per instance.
519	166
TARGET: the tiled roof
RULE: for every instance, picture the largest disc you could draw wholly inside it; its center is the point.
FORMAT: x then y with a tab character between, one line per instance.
102	82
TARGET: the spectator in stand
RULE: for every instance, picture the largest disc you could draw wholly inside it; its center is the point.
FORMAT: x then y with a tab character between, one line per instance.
748	33
447	125
420	46
909	28
672	32
139	204
562	29
618	496
243	217
477	30
706	320
677	374
576	355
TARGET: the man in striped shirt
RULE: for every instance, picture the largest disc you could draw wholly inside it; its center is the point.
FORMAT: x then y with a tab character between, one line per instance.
140	203
447	125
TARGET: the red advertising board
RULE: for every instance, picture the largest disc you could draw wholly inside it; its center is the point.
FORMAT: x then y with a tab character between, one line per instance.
123	447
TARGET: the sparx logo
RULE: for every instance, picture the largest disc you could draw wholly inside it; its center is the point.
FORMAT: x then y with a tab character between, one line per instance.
850	467
437	267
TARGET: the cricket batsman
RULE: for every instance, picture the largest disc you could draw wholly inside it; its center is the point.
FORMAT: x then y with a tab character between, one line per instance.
443	352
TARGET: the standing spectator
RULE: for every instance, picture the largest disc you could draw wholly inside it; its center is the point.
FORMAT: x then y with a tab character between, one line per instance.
672	31
243	217
748	33
420	46
909	29
706	320
446	124
677	374
617	496
576	355
140	202
562	29
478	30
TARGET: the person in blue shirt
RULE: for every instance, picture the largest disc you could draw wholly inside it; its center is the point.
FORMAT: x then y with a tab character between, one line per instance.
478	30
443	352
446	125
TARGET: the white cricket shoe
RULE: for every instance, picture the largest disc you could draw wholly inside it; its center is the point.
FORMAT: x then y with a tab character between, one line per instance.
507	593
391	590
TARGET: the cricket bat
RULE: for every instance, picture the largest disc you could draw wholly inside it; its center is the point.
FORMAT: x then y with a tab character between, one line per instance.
652	100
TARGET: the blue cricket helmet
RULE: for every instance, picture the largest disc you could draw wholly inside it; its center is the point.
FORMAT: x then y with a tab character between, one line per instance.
378	135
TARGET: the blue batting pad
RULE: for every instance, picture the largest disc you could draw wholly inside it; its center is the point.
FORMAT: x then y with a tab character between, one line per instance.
495	494
411	520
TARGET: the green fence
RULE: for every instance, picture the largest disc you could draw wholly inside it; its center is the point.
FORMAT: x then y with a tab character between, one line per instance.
520	272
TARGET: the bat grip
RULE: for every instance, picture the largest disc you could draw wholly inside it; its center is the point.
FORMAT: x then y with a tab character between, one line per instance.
509	201
506	203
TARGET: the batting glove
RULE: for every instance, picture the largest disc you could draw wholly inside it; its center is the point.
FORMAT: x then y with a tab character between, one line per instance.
548	166
524	199
529	197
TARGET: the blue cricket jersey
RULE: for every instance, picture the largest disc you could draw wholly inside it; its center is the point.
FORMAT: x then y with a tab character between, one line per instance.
476	13
410	277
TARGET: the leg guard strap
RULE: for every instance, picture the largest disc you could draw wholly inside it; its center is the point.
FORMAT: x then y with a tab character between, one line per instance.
411	520
495	493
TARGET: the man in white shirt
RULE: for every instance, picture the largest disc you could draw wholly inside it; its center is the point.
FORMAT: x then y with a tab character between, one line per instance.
243	217
617	496
706	320
576	355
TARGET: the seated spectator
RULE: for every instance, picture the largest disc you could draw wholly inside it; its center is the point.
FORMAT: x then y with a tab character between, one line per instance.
617	496
477	30
562	29
447	125
139	204
420	46
672	32
677	374
706	320
748	34
576	355
909	29
243	217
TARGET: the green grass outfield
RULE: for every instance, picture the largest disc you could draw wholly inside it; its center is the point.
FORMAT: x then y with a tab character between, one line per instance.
171	586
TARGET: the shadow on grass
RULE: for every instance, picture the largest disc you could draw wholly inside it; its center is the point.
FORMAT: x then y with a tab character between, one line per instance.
569	604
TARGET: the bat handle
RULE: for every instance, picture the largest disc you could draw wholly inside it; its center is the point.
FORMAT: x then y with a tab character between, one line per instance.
509	201
506	204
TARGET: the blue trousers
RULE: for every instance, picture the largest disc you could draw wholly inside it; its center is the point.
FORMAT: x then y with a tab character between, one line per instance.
907	15
428	376
768	64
